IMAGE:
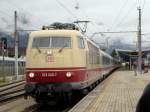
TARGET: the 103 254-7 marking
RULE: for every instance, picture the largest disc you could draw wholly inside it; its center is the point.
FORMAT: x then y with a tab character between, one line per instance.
49	74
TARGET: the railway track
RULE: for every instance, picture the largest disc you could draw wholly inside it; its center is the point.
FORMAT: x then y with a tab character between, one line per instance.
12	90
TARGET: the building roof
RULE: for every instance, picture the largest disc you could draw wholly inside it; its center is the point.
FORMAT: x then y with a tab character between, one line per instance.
125	55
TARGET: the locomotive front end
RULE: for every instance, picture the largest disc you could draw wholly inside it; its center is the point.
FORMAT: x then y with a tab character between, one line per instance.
52	66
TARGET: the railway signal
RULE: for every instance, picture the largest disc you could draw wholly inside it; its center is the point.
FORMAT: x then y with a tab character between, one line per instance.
4	47
4	42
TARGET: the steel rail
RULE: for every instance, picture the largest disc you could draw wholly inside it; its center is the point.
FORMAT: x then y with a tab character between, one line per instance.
12	91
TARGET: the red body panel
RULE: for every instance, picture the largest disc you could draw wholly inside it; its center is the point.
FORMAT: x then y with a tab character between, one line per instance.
55	75
48	75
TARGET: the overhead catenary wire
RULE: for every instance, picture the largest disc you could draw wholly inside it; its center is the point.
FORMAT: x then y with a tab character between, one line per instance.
120	12
5	21
4	11
6	14
118	32
124	18
85	15
77	5
70	12
74	16
138	3
143	6
95	26
121	20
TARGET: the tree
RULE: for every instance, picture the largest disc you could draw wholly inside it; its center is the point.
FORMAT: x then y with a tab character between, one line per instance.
114	54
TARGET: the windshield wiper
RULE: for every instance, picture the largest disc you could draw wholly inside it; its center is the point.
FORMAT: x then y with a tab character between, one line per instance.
61	49
38	49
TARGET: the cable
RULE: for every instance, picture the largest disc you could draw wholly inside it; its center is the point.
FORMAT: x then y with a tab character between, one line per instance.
77	5
146	34
16	7
4	20
138	2
143	6
5	13
85	15
62	5
120	11
119	32
73	15
126	15
118	15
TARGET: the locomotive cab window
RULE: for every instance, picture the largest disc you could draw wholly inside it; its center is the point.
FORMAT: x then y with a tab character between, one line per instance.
52	42
41	42
81	43
57	42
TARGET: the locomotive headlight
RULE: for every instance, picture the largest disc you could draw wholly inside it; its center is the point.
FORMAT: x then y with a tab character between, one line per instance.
68	74
31	75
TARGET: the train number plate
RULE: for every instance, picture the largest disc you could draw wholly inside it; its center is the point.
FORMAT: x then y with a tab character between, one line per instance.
49	74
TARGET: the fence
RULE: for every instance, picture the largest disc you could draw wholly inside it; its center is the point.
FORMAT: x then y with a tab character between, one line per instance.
7	67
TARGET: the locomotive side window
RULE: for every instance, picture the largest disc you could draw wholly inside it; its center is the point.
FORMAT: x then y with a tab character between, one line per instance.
51	42
81	42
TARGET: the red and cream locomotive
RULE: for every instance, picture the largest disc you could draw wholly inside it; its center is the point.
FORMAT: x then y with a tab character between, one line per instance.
61	60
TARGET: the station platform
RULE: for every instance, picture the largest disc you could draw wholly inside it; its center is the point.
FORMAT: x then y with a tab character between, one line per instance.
120	92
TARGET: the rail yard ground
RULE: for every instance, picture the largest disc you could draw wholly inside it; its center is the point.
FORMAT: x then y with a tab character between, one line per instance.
21	105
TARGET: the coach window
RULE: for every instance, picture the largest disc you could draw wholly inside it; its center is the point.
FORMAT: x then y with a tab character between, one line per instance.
81	42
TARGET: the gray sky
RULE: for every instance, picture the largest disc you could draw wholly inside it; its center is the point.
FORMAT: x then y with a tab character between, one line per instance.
105	15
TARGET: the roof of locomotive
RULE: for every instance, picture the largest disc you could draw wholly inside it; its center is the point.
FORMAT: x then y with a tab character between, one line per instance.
55	32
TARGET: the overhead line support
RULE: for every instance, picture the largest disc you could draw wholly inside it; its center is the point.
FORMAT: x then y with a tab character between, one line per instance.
139	43
16	45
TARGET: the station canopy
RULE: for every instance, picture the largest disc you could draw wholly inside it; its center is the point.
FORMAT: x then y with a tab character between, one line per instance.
126	55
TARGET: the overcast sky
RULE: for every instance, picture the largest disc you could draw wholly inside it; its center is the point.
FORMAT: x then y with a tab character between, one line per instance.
105	15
